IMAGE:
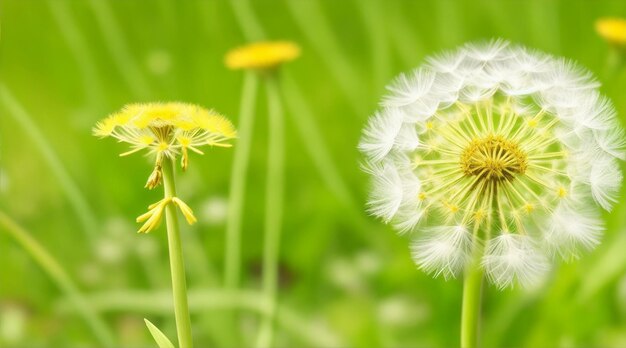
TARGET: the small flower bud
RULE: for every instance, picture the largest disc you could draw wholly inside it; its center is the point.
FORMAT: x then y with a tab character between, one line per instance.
154	179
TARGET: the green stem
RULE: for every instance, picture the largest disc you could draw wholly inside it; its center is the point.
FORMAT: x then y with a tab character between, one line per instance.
58	275
177	264
238	181
273	207
470	316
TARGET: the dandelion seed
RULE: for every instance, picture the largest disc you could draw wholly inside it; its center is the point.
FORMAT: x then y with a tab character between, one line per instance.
495	149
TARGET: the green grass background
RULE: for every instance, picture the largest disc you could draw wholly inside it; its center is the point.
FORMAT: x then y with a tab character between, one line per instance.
345	278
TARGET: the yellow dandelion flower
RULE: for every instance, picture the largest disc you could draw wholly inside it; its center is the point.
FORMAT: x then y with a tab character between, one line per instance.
613	30
166	130
262	55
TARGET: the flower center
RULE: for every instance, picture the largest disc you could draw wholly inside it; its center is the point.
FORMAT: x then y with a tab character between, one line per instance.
493	159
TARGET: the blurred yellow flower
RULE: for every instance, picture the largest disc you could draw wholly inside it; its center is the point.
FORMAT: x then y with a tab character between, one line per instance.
613	30
166	129
262	55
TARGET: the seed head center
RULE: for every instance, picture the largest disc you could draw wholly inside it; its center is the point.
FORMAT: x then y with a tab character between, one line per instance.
493	158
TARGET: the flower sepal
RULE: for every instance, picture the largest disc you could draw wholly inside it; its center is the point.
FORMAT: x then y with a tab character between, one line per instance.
152	218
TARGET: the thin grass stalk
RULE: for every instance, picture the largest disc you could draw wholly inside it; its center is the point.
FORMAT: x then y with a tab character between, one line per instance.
77	200
59	276
408	45
78	46
374	16
212	300
114	40
310	18
244	14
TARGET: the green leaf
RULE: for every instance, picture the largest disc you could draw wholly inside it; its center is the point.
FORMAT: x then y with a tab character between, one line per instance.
158	336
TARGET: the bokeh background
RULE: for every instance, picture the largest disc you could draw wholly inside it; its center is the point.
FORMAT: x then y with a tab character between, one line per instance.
346	279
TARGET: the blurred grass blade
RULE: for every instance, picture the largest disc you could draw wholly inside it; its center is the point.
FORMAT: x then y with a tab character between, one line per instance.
407	44
252	29
449	22
159	337
78	46
206	300
73	193
114	41
610	265
313	142
374	16
58	275
310	18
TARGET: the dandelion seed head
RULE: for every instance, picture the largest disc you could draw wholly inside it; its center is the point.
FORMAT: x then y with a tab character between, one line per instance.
497	148
262	55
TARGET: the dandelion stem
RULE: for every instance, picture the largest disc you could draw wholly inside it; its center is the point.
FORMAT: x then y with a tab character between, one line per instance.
177	264
273	208
472	293
58	275
238	181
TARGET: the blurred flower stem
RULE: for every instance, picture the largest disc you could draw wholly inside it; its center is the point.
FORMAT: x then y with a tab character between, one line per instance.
273	207
304	119
234	222
59	276
472	294
84	58
238	182
177	264
73	193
